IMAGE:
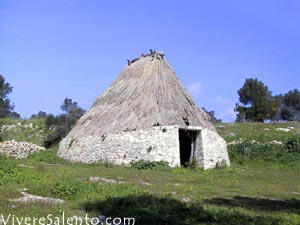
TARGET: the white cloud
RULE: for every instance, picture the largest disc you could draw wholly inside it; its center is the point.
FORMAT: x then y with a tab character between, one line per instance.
195	88
228	115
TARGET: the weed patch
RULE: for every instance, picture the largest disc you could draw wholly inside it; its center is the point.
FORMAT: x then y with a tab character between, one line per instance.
148	165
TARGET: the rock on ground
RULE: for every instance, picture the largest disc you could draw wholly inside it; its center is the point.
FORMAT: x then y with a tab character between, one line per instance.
35	198
19	150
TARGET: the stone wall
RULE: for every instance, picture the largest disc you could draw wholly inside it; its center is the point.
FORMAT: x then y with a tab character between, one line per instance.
155	144
214	149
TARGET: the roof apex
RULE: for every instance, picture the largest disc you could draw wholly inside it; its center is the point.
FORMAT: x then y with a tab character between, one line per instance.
153	53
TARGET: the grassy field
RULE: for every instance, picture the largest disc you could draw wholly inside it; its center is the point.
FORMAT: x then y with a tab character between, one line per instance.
262	186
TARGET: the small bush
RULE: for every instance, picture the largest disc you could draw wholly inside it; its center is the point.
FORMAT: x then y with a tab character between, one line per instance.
148	165
192	164
292	144
221	165
67	188
55	137
7	171
60	125
287	153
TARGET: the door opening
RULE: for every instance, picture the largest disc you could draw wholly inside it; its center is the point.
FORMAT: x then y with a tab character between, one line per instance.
187	145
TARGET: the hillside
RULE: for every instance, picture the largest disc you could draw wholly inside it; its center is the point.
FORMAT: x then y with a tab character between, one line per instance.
262	186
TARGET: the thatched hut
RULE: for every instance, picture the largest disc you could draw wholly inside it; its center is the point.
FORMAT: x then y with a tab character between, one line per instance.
145	114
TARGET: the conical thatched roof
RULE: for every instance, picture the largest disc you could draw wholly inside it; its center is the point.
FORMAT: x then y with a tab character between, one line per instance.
147	93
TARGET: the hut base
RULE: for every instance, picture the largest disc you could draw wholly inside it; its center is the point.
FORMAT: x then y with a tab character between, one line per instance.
175	145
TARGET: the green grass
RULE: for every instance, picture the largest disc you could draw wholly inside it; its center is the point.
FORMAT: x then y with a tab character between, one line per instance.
257	131
32	130
257	188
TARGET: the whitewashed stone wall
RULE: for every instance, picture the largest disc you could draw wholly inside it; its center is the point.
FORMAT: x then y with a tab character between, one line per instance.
214	149
155	144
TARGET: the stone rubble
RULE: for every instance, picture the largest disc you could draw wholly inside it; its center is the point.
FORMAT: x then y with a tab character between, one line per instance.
112	181
240	141
144	183
35	198
275	142
288	129
186	200
235	142
18	125
19	150
105	180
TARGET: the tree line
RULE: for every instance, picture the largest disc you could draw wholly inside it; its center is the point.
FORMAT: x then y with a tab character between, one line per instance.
256	104
59	125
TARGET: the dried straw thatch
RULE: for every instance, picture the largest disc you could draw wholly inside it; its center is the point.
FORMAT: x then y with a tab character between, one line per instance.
147	93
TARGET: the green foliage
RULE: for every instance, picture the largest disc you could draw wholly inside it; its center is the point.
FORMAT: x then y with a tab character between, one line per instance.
10	172
62	124
287	153
164	195
212	115
292	144
148	165
32	130
257	102
211	193
49	157
40	115
192	164
6	108
7	170
290	106
67	188
253	142
72	108
221	165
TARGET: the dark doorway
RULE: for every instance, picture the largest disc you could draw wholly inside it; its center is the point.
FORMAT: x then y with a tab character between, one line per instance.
187	141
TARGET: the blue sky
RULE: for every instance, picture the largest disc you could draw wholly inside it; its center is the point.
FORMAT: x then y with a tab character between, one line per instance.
53	49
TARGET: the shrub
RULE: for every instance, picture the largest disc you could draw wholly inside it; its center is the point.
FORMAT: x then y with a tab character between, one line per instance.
60	125
192	164
288	152
148	165
63	123
67	188
292	144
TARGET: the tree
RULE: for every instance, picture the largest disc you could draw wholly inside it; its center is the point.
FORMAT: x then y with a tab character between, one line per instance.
6	108
62	124
213	118
69	106
290	106
256	102
14	115
41	114
73	111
